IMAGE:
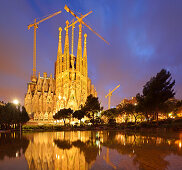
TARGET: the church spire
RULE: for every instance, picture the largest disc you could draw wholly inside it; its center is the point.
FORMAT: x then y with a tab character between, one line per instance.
79	51
85	72
66	49
59	54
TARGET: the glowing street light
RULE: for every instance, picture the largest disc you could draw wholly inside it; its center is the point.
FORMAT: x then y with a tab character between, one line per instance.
15	101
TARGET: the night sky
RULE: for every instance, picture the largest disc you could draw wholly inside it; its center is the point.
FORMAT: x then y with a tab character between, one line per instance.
144	35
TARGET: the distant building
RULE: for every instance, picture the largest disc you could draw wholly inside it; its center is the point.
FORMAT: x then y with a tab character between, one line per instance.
131	101
69	87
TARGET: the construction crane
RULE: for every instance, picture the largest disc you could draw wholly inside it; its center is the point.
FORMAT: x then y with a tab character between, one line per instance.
110	94
82	22
73	26
35	25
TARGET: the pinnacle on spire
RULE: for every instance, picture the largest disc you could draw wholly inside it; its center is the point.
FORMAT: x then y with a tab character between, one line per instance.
59	54
72	46
85	72
29	89
79	50
66	49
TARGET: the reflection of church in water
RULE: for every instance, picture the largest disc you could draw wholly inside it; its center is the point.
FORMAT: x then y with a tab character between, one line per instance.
61	150
69	87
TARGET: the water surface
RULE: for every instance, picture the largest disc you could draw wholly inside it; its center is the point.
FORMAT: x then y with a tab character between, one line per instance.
82	150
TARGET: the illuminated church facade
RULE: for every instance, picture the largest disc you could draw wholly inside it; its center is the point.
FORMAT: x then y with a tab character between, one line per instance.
69	87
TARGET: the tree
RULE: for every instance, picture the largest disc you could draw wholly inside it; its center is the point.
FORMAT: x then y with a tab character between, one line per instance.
155	93
63	114
79	114
111	114
122	112
10	115
171	105
1	115
24	116
92	106
132	110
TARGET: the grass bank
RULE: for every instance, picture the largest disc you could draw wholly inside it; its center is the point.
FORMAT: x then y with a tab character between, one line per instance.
168	124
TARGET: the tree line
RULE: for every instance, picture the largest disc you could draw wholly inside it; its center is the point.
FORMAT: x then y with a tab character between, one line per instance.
157	97
90	109
12	116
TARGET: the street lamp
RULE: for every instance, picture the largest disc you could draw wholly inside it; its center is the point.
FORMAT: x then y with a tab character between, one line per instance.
15	101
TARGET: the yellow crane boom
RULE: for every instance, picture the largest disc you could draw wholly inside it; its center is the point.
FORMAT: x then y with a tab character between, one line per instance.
110	94
82	22
79	19
73	26
35	25
48	17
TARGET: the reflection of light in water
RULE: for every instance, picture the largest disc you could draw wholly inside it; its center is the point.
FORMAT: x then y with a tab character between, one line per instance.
57	157
123	139
169	142
179	144
44	149
97	142
63	158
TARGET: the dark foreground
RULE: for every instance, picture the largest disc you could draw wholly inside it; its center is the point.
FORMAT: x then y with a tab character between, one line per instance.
91	150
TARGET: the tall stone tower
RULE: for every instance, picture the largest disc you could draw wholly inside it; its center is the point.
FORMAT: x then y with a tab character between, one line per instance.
68	89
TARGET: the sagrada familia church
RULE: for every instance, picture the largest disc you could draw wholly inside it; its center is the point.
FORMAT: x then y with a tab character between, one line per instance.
67	88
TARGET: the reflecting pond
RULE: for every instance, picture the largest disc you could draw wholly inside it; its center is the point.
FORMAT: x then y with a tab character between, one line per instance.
82	150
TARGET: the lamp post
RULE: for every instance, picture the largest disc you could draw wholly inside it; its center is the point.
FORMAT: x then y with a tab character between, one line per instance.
17	103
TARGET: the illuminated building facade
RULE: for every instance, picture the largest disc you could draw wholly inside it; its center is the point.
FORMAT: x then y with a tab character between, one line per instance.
131	101
69	87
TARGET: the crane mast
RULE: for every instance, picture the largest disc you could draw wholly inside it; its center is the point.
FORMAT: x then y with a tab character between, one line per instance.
35	25
109	96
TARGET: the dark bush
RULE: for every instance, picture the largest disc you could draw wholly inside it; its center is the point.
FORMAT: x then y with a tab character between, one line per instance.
112	122
178	121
